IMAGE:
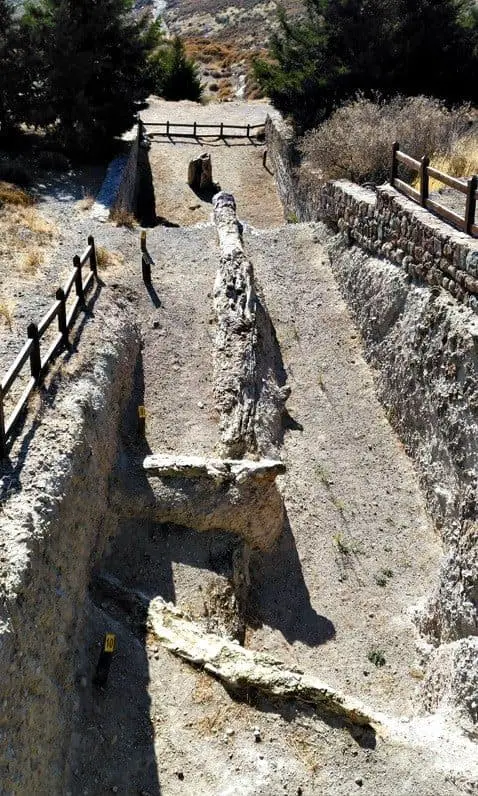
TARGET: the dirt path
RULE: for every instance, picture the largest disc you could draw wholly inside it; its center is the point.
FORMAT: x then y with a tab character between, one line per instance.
177	341
237	164
359	551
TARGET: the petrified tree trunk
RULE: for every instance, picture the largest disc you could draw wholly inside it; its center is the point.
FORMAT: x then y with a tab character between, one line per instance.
200	173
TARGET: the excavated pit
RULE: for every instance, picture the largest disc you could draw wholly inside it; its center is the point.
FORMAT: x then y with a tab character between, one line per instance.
99	538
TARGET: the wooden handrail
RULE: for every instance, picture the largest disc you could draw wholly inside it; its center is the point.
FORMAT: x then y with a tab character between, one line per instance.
31	348
468	187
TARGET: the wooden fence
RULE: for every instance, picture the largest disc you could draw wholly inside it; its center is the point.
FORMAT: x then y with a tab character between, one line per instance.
63	310
422	167
194	128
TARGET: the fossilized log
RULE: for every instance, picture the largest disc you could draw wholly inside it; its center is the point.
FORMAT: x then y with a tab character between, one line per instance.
241	668
236	336
219	469
200	173
205	495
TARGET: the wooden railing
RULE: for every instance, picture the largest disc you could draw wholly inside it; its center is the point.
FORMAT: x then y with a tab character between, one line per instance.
422	167
221	130
64	310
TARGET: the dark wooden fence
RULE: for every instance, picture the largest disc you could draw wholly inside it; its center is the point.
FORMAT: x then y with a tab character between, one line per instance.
422	167
221	130
64	310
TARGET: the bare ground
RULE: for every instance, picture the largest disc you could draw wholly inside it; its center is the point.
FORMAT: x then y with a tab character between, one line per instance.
237	164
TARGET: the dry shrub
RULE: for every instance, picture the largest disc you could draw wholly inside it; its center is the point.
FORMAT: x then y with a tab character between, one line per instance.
32	259
107	259
7	307
123	218
86	203
356	141
460	161
13	195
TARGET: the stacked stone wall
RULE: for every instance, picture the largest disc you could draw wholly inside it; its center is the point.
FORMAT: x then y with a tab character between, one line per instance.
383	222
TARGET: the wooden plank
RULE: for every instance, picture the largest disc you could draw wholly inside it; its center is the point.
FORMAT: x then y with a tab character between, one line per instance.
407	189
407	160
20	406
85	256
88	282
448	215
48	318
452	182
17	366
69	284
49	354
71	315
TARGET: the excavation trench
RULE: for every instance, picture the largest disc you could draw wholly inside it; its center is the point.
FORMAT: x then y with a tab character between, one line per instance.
192	539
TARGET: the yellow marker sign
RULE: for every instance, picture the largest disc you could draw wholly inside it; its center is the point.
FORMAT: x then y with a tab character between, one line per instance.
142	412
110	642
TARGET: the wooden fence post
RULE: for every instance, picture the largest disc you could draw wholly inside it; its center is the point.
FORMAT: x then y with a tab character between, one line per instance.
167	128
393	173
35	356
62	325
78	279
424	180
222	130
3	438
248	133
93	260
471	204
195	130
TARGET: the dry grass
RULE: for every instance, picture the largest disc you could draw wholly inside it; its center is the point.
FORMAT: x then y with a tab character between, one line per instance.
7	308
32	259
107	259
123	218
86	203
460	161
25	237
13	195
356	141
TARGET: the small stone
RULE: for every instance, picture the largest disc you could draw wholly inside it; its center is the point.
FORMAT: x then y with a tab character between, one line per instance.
229	731
359	782
115	789
156	324
200	405
257	735
180	775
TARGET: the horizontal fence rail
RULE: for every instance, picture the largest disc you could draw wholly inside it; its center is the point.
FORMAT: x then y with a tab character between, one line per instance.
420	195
221	130
68	300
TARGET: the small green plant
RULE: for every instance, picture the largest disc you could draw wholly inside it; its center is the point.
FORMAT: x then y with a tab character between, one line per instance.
382	577
343	547
323	474
292	218
339	504
377	657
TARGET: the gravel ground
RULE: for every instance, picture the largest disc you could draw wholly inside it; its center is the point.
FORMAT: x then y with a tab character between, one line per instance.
236	163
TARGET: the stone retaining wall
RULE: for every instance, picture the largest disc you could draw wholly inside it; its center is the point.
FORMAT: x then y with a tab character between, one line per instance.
384	222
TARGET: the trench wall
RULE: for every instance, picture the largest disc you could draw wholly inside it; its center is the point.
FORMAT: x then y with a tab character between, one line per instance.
411	282
55	521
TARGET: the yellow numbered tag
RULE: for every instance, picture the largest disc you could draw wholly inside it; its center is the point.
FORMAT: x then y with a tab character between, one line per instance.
142	412
110	642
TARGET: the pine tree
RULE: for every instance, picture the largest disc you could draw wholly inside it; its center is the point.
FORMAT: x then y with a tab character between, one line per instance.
11	75
90	64
174	74
370	46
